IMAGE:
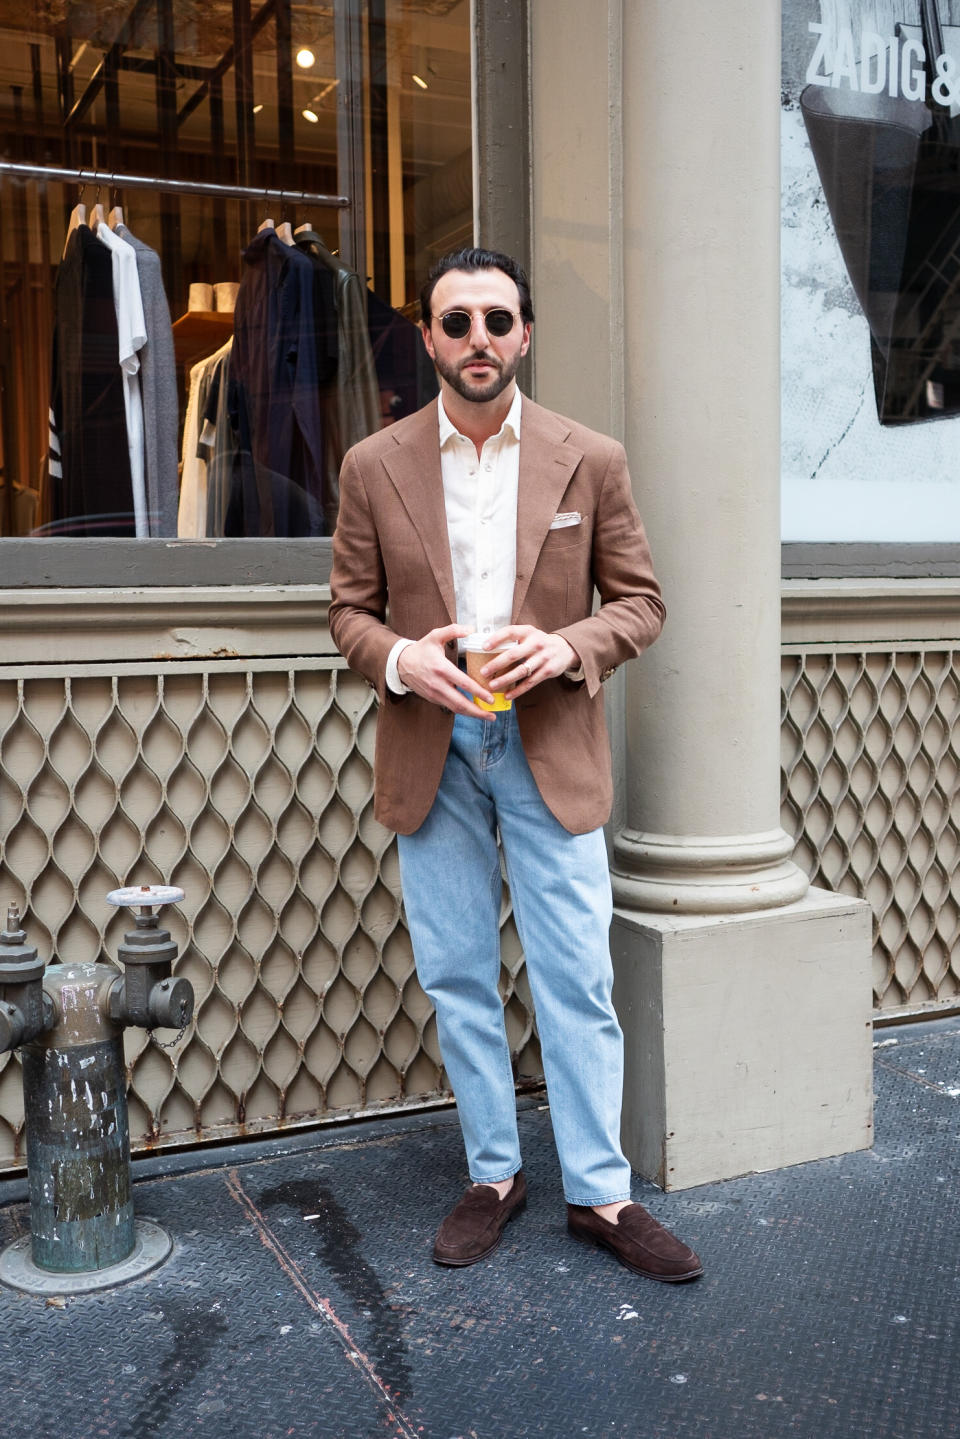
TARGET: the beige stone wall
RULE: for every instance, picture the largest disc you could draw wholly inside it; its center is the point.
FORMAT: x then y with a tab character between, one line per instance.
213	739
226	748
871	766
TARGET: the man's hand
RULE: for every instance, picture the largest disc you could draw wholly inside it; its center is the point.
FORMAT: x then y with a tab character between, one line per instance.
424	668
538	656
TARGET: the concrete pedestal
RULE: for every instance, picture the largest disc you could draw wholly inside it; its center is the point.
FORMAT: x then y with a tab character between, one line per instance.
748	1038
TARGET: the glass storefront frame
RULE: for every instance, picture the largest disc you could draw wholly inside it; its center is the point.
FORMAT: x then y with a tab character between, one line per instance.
501	217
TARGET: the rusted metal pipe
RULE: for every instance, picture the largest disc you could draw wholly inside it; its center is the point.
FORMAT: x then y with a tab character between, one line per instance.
25	1010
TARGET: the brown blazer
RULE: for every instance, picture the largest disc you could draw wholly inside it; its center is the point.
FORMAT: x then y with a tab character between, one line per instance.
391	549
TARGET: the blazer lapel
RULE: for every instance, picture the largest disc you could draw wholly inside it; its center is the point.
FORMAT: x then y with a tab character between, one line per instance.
414	468
547	464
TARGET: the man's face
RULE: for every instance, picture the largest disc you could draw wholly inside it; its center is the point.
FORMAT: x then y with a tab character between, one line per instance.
480	366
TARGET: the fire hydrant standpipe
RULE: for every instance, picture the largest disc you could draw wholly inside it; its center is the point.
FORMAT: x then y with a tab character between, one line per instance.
68	1023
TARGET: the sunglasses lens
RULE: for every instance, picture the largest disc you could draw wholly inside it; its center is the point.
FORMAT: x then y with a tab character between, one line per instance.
456	324
499	322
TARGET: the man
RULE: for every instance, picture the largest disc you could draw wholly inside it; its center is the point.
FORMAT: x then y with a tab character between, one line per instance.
484	514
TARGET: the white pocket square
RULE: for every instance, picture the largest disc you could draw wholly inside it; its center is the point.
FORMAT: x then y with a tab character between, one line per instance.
565	520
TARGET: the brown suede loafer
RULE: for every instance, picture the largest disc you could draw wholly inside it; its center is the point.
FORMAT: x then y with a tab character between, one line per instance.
638	1241
475	1227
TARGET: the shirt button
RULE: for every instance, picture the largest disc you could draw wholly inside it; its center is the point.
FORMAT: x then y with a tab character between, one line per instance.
484	575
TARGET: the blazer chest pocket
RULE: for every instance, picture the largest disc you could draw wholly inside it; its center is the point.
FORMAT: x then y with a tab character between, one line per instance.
563	574
568	538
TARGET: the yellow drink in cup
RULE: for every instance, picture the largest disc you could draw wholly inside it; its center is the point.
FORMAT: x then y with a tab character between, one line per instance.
476	658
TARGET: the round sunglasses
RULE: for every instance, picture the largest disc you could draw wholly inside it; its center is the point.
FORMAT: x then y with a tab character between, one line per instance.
456	323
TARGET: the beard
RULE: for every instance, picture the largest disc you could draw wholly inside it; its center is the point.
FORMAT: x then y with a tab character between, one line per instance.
478	391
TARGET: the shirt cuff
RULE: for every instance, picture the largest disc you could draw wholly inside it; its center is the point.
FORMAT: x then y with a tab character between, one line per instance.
394	682
575	672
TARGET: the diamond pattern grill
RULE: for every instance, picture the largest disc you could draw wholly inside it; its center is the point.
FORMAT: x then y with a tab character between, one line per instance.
870	791
249	784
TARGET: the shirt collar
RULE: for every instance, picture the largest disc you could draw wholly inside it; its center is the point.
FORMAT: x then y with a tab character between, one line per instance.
512	421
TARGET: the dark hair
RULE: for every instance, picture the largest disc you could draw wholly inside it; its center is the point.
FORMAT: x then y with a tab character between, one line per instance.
477	259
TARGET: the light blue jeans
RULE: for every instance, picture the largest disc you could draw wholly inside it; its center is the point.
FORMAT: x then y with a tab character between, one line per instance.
560	887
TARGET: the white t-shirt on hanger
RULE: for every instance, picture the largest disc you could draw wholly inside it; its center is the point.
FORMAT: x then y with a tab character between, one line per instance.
133	336
192	512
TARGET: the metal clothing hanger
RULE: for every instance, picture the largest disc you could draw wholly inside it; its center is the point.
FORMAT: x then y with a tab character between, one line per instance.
284	231
97	216
115	217
266	224
78	217
308	229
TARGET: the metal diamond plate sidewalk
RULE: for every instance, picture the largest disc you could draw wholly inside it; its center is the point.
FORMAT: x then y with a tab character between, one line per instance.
300	1299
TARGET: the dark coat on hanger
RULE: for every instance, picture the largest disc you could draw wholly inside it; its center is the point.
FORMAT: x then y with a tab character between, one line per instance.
91	492
274	366
352	407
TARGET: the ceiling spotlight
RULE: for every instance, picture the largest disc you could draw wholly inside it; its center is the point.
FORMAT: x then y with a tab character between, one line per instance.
311	116
417	81
257	109
306	58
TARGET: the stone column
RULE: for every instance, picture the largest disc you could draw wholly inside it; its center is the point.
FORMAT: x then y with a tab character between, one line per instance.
745	998
702	376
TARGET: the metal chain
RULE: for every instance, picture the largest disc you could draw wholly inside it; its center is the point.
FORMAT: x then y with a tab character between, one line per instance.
171	1044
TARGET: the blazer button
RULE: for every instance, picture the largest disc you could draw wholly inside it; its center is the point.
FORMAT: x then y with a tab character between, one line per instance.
605	674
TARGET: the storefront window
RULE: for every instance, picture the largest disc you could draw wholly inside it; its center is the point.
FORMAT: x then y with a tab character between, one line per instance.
870	314
214	220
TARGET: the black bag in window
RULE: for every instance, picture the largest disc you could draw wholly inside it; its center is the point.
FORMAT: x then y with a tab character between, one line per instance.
890	170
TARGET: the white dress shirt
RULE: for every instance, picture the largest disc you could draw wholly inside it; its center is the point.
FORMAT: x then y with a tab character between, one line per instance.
480	498
132	333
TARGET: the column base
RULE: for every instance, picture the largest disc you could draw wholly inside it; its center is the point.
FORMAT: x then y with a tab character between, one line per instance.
748	1038
705	874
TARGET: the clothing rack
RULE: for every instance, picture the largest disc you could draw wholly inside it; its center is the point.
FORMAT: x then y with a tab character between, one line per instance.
112	181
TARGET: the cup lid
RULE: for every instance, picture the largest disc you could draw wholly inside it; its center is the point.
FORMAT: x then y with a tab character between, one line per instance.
476	641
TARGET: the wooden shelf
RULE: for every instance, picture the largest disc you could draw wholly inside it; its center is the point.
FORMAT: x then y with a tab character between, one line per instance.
199	333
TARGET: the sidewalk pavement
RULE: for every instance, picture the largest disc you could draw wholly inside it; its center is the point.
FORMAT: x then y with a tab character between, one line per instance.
301	1300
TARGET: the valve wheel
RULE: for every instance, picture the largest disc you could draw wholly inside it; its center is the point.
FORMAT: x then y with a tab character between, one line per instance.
145	896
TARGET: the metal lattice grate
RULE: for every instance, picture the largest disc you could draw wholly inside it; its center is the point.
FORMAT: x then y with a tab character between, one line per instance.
249	784
870	770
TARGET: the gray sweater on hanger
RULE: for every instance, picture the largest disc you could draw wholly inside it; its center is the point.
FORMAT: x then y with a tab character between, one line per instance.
158	379
355	411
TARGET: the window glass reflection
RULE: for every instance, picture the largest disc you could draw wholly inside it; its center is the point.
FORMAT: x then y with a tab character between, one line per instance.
192	354
882	112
